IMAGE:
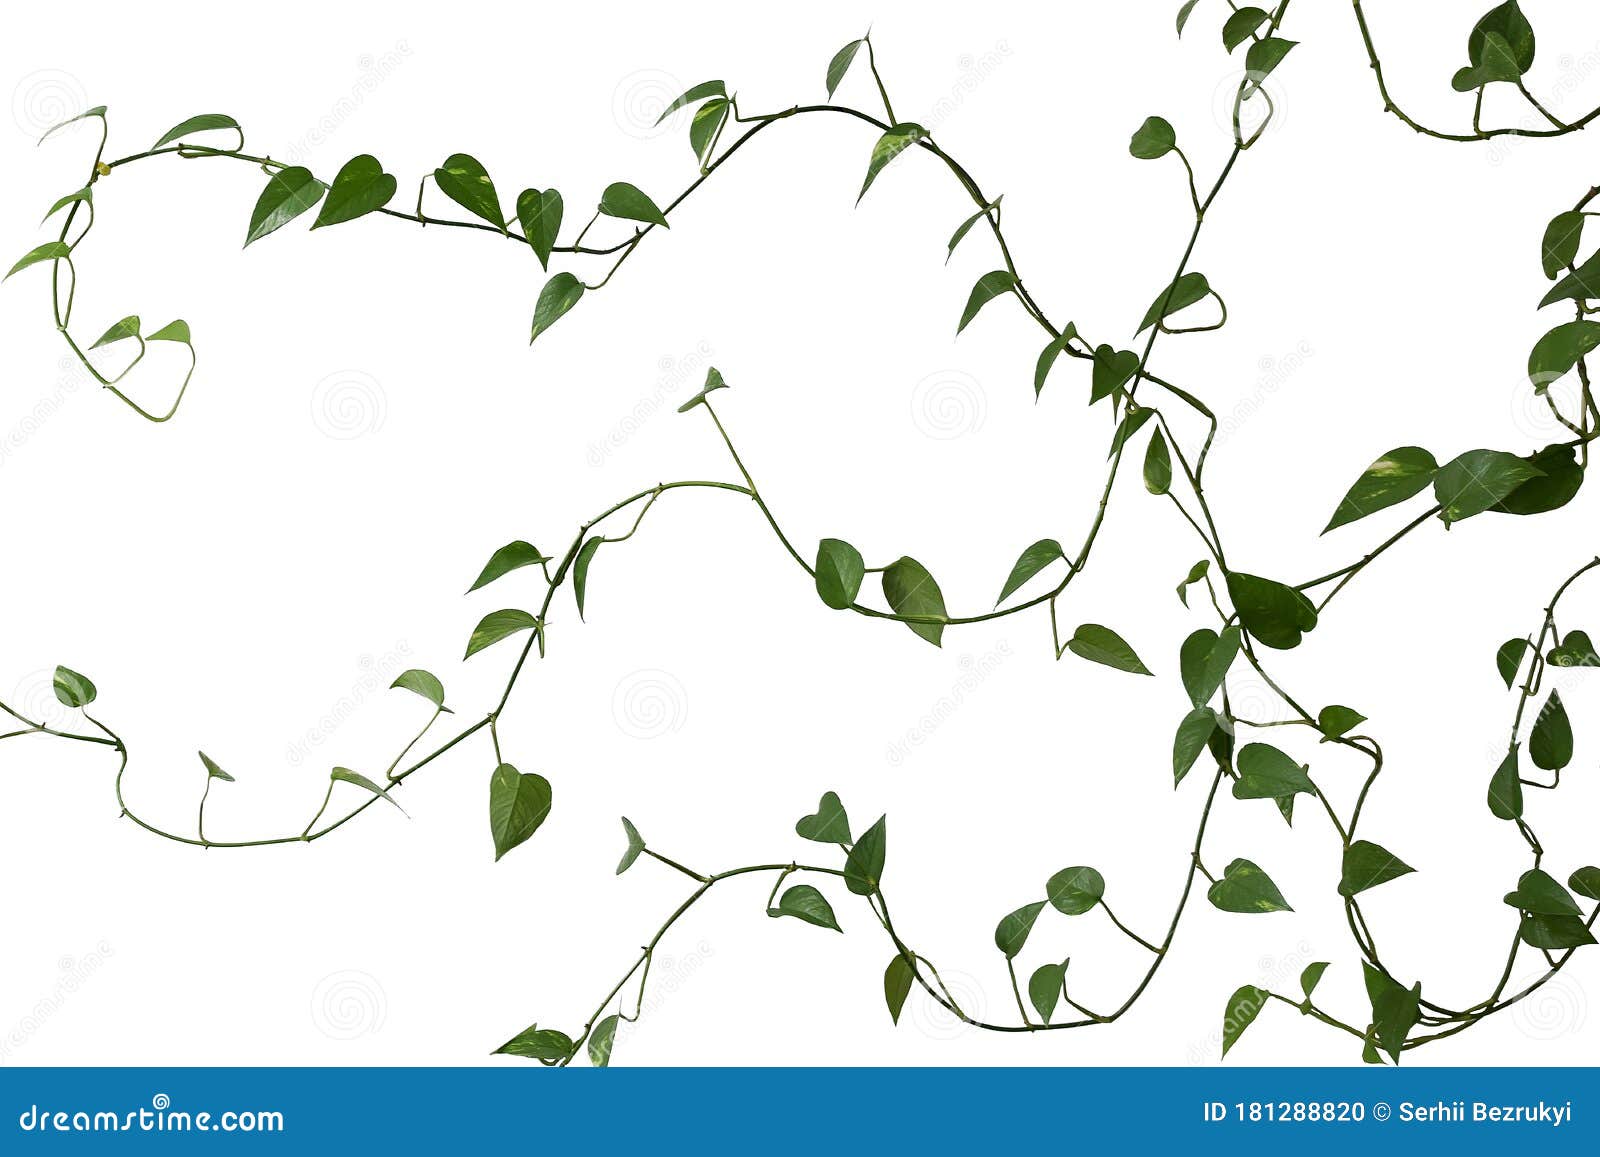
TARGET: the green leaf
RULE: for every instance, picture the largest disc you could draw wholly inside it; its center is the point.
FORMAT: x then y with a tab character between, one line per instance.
828	824
1204	661
204	123
1045	987
467	183
840	569
1188	290
1074	891
1130	425
1012	932
1475	481
1562	237
1241	26
1271	612
1103	645
1505	789
1194	732
1557	484
806	903
539	1044
1582	284
863	864
580	570
422	683
1197	572
1243	1008
713	382
634	848
127	327
1267	773
98	110
1395	1009
1312	976
911	591
630	203
1586	882
73	689
177	331
1508	659
85	195
539	214
601	1041
1576	650
698	93
1157	465
897	980
1498	63
1112	371
1033	560
1400	474
966	227
1555	933
1246	888
840	64
499	625
1265	55
1183	14
1550	745
1512	27
518	804
897	140
1048	356
989	287
1366	865
703	129
1153	139
212	770
1539	894
49	251
1557	352
345	775
289	193
361	187
512	556
1335	722
559	295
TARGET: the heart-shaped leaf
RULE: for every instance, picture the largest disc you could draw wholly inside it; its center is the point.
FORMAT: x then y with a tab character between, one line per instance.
1155	138
361	187
806	903
73	689
518	804
863	864
631	203
559	295
840	569
1366	865
1074	891
1550	745
465	181
911	591
512	556
1275	614
499	625
1246	888
289	193
1011	934
539	214
828	824
1400	474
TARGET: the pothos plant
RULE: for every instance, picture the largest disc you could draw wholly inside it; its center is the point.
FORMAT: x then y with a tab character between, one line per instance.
1172	433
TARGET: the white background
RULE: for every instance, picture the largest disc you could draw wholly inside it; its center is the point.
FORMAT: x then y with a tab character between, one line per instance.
368	424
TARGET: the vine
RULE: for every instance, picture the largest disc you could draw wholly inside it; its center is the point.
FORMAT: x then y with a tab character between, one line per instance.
1266	614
